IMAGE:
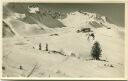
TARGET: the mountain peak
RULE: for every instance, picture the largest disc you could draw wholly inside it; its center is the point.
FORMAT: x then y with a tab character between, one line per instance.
79	18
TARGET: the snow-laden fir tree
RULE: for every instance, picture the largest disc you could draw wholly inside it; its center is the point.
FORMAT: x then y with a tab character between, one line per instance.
96	51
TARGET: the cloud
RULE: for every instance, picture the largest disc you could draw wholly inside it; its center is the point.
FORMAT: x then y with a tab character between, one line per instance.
33	10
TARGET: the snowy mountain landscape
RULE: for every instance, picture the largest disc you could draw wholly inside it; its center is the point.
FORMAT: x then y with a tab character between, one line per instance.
44	43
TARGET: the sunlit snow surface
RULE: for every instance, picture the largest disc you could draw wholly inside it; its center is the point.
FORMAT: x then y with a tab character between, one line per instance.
23	50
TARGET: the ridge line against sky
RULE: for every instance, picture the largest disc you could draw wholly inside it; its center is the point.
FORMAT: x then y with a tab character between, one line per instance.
114	11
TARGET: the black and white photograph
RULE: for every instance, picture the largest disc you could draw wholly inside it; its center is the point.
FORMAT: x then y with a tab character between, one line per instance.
63	40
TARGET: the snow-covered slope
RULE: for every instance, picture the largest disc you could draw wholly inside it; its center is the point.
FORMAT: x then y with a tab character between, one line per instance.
23	29
47	20
86	19
68	52
28	23
7	31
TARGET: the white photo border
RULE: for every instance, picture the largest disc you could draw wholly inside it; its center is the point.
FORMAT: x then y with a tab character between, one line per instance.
68	1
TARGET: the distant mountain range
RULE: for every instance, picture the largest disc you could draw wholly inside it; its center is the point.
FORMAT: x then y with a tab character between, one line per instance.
31	19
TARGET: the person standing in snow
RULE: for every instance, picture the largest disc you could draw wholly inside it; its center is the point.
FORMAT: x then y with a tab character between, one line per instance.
40	47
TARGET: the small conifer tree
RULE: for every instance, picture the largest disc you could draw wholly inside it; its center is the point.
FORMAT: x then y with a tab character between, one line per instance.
96	51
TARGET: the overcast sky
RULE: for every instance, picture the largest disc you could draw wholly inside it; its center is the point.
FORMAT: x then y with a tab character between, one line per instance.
114	11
